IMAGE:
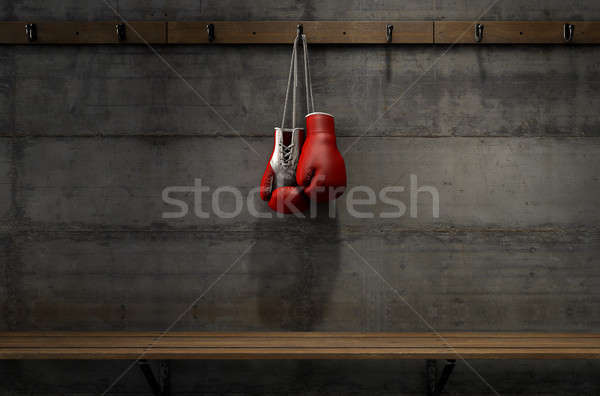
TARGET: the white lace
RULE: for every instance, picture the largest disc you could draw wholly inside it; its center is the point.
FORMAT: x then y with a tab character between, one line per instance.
286	151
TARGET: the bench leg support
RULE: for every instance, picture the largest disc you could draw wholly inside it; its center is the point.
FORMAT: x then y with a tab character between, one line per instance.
435	386
162	387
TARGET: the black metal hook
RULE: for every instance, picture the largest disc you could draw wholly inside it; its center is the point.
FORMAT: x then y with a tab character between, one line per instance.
121	30
299	30
568	30
478	32
210	29
388	33
31	32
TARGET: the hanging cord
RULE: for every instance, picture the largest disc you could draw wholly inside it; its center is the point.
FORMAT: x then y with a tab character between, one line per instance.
310	101
293	71
295	83
287	150
310	107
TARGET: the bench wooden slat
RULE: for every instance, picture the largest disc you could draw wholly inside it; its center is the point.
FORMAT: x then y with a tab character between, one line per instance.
311	334
292	345
295	342
306	353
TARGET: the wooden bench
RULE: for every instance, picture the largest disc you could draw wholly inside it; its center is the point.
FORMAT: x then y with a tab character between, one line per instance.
144	346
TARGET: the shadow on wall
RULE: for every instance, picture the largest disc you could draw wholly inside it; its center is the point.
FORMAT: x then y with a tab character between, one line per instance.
295	263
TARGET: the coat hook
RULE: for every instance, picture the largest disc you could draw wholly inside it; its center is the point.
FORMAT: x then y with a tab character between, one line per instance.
478	32
388	33
31	32
568	30
299	30
210	29
121	31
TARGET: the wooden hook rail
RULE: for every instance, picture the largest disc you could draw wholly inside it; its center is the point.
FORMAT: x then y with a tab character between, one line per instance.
318	32
82	33
447	32
322	32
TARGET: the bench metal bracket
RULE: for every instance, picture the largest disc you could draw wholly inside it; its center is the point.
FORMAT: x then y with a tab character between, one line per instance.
435	386
162	387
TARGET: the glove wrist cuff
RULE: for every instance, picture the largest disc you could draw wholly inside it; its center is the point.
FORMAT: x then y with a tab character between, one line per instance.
320	123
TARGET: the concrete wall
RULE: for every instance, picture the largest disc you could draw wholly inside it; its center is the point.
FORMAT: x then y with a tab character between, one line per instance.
509	136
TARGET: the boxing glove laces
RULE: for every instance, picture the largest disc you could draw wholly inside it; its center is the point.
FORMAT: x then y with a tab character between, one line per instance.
278	185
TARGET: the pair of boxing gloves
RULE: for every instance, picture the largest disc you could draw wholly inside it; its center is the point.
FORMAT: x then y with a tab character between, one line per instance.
304	168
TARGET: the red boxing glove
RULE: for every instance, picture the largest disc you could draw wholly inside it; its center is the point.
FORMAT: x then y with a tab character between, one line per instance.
321	169
278	184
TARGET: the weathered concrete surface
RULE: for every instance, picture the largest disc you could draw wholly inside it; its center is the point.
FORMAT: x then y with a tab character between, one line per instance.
7	305
457	280
465	91
482	182
508	136
580	10
489	93
6	181
92	90
6	217
303	9
7	82
508	182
